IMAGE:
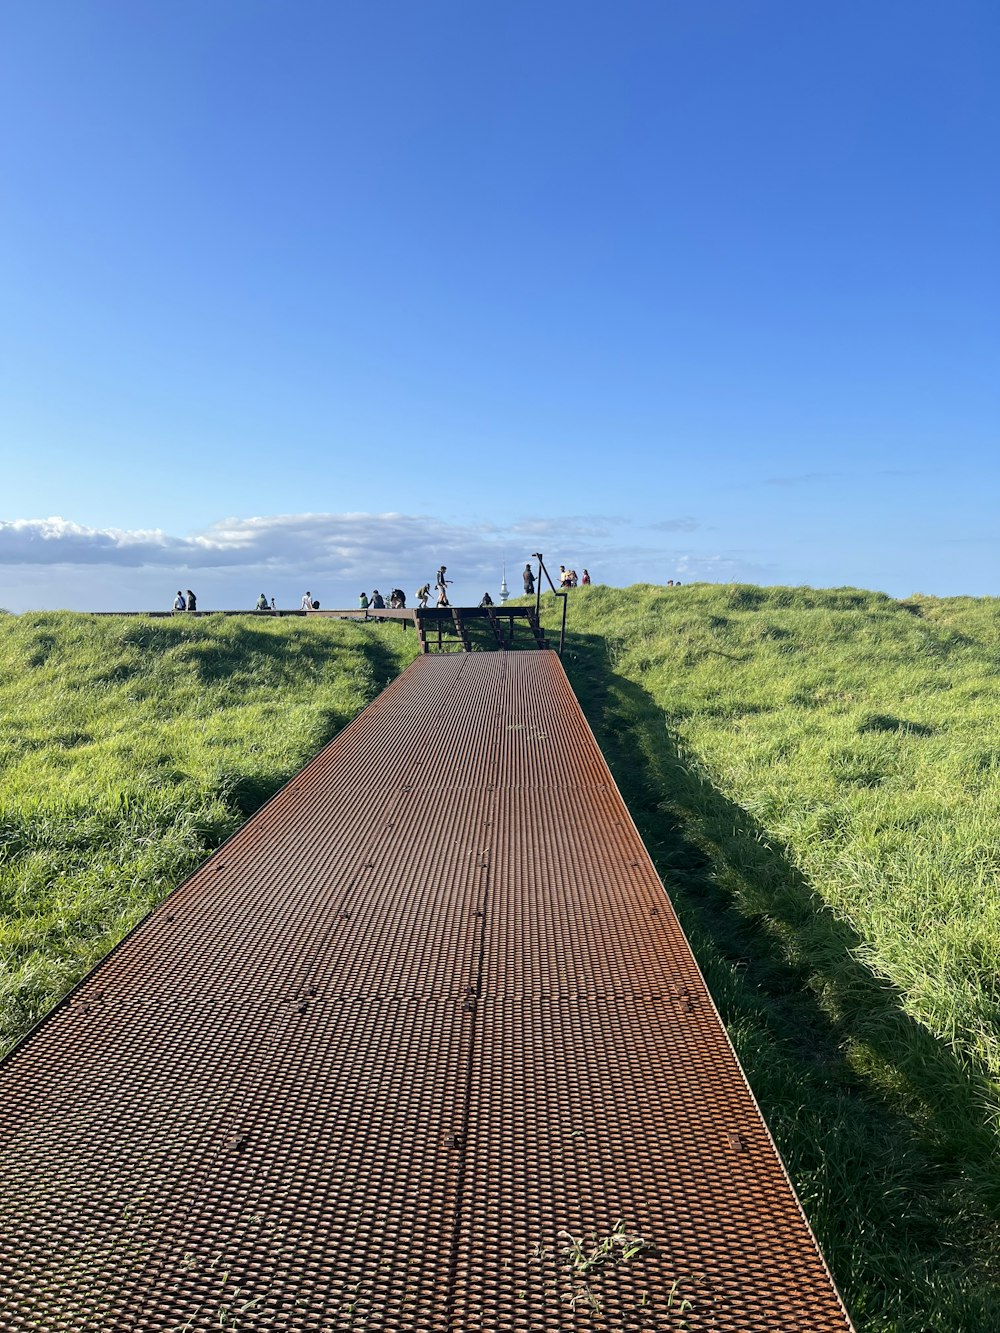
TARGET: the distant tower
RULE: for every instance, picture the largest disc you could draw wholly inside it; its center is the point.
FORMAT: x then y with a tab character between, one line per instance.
504	590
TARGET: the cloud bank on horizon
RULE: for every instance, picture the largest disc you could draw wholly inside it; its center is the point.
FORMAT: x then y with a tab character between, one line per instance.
56	562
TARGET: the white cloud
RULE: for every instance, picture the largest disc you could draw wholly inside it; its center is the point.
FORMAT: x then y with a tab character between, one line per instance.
336	541
46	541
339	543
57	562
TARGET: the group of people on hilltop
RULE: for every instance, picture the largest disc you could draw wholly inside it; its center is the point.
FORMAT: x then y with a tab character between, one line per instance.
567	579
397	600
187	601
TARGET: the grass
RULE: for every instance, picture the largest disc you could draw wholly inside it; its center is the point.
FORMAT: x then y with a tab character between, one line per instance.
131	748
573	1275
817	775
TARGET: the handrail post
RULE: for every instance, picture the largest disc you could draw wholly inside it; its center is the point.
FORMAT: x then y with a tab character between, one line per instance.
537	555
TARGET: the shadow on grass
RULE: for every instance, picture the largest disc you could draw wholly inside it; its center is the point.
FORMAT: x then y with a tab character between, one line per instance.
885	1131
247	792
286	657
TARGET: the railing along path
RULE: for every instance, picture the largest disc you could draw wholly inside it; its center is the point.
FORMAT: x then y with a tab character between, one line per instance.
421	1047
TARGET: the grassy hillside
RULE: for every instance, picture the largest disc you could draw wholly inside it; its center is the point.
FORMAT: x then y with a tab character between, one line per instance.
130	748
817	775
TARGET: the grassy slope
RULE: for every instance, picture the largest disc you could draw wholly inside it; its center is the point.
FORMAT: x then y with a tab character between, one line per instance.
816	773
818	777
132	747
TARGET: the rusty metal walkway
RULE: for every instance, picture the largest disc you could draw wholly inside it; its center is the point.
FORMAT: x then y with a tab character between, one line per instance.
421	1047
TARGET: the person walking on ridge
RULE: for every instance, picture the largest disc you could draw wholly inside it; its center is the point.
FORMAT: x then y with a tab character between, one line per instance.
528	578
442	587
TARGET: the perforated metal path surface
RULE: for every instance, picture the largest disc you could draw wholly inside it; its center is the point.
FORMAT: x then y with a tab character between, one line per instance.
426	1018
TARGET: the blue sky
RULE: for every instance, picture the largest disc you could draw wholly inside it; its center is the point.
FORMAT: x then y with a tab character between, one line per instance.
321	294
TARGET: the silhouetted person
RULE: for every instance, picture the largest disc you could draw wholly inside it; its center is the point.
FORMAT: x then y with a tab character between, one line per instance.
192	601
261	603
423	592
378	601
528	578
179	602
487	600
442	587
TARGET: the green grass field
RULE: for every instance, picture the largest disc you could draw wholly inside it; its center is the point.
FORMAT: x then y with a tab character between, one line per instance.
816	773
131	748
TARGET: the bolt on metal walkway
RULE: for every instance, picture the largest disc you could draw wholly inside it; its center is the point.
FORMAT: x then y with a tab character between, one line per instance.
421	1047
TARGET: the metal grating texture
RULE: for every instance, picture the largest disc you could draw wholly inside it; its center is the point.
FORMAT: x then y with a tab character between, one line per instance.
421	1047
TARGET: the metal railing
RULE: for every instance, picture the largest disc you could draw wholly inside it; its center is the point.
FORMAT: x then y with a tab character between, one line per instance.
559	592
